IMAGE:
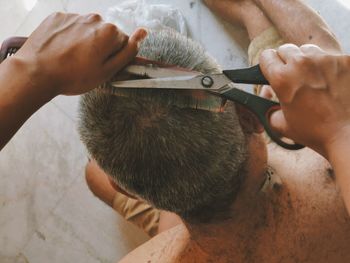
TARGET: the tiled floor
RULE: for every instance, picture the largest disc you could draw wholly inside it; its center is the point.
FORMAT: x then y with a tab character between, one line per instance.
47	213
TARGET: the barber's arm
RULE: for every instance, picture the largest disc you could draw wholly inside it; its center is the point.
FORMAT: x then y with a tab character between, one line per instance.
314	90
67	54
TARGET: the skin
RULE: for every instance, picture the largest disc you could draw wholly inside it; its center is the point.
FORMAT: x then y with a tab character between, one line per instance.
67	54
301	214
313	31
300	217
303	210
281	225
325	88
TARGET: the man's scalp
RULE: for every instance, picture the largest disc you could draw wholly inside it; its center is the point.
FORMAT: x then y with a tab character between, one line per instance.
178	159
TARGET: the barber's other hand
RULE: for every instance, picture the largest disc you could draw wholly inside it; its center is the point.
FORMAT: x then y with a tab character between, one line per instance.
72	54
314	90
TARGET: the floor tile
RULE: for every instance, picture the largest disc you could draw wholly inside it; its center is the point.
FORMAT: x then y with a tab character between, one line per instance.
82	229
12	15
89	6
40	11
37	167
69	105
226	43
47	212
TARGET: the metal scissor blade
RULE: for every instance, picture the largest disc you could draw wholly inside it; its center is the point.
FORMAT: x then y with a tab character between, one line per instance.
219	81
154	71
162	83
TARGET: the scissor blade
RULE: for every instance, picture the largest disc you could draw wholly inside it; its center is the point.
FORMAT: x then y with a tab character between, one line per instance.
163	83
181	83
155	71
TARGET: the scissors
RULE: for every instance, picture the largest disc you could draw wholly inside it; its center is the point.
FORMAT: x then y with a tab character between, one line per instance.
155	75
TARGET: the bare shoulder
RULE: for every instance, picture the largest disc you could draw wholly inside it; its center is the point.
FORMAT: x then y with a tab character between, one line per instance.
301	166
165	247
307	176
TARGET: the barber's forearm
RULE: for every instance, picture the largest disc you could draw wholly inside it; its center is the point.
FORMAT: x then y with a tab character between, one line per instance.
19	98
297	23
339	156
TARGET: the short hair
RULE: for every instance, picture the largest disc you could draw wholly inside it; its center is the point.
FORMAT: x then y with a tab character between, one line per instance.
179	159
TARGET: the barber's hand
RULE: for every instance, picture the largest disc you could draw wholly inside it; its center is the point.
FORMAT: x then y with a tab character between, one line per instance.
72	54
314	90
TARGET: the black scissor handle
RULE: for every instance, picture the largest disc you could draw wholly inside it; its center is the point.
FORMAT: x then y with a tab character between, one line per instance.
252	75
262	108
10	46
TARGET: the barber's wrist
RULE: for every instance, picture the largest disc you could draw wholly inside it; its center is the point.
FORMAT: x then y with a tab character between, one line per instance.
32	81
338	145
258	3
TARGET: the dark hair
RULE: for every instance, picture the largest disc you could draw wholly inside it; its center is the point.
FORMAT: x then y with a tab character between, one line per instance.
184	160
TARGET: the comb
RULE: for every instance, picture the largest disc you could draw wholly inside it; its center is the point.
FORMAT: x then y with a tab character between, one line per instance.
10	46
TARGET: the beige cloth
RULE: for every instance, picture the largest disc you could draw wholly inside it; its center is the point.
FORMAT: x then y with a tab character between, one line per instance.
137	212
270	38
144	215
266	40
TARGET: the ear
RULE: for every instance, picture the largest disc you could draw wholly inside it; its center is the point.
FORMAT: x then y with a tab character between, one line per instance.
249	122
120	190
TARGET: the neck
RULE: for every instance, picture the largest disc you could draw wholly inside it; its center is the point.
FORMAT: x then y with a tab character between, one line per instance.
222	241
230	240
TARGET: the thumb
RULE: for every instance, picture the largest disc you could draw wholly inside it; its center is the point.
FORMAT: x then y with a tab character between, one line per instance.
128	53
278	122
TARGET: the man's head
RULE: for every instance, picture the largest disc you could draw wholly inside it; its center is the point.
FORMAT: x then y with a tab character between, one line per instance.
157	146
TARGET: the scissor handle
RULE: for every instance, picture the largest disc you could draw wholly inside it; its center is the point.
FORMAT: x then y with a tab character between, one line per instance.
252	75
10	46
262	108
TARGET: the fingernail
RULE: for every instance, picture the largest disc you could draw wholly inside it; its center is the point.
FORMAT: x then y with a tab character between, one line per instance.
141	34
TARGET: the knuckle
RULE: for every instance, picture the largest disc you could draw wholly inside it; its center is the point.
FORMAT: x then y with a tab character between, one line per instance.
286	47
302	61
265	55
122	41
56	15
266	58
309	46
110	29
93	17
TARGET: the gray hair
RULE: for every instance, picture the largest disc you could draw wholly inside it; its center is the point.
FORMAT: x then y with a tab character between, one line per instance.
180	159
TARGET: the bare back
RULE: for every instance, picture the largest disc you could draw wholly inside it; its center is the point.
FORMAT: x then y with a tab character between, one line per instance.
305	221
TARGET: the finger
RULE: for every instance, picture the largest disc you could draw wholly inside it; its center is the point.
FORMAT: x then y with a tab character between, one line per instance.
119	42
113	39
266	92
278	122
288	52
92	18
127	54
272	67
311	50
